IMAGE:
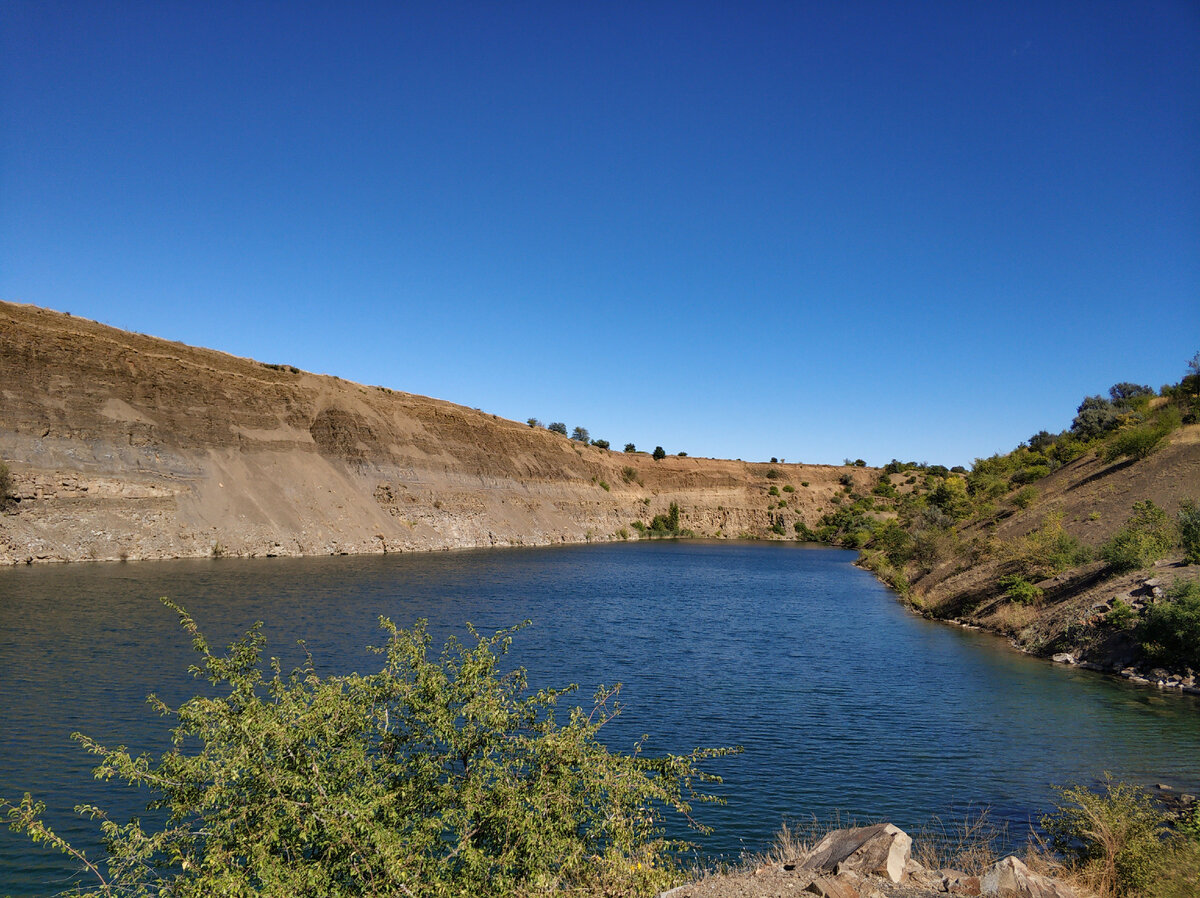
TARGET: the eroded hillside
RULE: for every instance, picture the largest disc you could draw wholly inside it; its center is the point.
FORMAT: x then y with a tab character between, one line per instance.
127	446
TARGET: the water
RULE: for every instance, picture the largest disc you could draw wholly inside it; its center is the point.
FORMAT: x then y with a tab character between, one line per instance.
842	701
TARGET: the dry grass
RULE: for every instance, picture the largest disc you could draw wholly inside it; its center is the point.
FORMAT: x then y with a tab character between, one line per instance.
1010	618
969	845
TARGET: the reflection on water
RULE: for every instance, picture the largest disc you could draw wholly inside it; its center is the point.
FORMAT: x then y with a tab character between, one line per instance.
842	700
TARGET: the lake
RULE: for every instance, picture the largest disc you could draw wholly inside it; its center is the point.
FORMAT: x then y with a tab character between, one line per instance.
842	700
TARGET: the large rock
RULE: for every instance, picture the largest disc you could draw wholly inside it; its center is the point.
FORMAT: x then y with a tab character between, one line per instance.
880	850
834	887
1010	878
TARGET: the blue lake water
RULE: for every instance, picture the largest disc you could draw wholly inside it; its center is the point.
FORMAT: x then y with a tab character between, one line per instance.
843	701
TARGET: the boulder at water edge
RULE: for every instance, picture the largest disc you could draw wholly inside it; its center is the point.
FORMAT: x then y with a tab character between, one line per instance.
880	850
1009	877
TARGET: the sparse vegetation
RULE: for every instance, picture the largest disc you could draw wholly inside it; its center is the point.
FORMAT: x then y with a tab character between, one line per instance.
1147	536
580	434
600	444
604	486
557	427
630	447
534	422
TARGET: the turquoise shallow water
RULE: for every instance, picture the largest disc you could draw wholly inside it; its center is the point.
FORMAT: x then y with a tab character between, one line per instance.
842	701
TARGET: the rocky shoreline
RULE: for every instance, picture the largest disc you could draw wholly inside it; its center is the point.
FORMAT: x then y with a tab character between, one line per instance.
873	862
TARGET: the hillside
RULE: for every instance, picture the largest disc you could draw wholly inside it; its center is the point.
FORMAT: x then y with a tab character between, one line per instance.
123	446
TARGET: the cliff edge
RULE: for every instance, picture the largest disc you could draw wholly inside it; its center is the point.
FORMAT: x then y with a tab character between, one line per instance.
123	446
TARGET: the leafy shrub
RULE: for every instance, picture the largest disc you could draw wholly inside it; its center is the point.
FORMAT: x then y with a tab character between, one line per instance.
557	427
1147	536
629	474
638	526
788	488
681	454
1170	631
884	488
1135	442
1189	530
581	434
804	483
666	523
629	447
534	422
604	486
950	496
1025	497
773	474
659	453
1121	615
600	444
1114	837
773	491
433	776
804	533
1030	474
1020	590
1050	550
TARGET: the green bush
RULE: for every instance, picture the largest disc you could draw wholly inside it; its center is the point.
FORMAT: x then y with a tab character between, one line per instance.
437	777
1189	530
1025	497
1170	631
1020	590
1147	536
1114	837
659	453
666	523
629	474
1121	615
600	444
1050	550
1030	474
629	447
557	427
581	435
773	474
788	488
773	491
604	486
1135	442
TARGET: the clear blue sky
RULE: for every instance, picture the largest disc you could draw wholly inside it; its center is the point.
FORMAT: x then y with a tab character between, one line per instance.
808	230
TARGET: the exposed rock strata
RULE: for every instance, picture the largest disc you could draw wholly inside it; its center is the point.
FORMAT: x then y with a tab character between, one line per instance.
128	446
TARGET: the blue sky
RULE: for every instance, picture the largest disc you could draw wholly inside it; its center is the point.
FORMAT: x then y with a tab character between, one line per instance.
807	230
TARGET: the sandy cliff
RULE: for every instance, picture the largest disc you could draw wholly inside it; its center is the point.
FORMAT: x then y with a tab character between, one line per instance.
127	446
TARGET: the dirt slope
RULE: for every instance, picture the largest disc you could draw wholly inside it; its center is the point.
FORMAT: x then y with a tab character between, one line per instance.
127	446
